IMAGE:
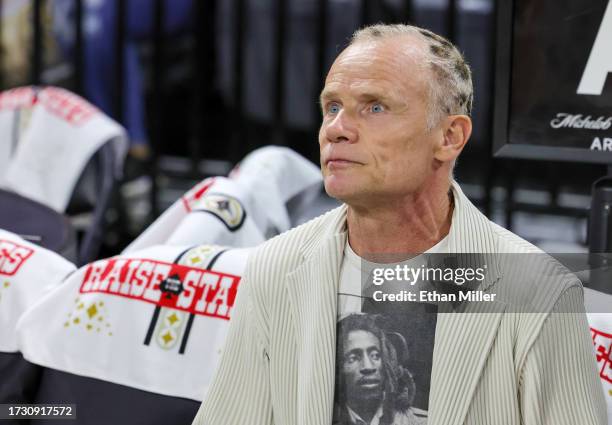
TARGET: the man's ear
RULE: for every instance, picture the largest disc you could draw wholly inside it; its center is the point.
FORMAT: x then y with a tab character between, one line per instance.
456	132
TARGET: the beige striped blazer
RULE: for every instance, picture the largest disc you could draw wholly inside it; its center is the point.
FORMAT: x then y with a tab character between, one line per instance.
490	366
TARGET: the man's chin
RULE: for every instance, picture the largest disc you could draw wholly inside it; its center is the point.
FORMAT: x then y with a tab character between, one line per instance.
362	396
340	189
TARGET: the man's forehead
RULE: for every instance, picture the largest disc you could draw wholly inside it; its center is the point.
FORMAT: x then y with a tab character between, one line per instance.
401	50
371	65
362	88
359	337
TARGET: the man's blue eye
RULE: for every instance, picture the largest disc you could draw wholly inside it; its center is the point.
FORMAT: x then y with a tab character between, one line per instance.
377	107
333	108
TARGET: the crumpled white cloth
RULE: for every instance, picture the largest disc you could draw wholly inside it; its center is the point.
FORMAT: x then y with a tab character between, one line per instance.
254	198
49	135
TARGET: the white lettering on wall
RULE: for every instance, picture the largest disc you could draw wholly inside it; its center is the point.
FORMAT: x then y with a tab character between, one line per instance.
599	63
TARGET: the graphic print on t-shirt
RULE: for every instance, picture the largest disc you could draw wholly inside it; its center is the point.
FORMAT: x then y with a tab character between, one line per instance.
384	355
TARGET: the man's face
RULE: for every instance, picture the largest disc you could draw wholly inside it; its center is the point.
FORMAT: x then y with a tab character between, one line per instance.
374	141
362	366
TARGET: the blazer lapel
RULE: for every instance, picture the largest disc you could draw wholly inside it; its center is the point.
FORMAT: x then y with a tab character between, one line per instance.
462	345
313	289
464	337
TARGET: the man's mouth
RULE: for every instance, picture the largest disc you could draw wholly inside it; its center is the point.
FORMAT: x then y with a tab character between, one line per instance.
339	163
369	383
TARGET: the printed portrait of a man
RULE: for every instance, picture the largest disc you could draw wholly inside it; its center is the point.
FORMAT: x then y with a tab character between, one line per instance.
375	387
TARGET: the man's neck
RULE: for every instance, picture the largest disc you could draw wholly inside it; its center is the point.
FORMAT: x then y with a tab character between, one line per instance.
409	226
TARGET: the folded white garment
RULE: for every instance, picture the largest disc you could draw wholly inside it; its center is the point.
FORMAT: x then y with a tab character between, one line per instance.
49	136
211	212
239	211
154	320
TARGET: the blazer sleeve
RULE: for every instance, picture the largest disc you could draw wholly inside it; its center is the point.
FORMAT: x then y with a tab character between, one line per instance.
240	390
559	383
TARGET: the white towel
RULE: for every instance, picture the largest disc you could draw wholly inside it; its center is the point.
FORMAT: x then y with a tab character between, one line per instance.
51	151
213	211
102	322
241	210
27	273
273	175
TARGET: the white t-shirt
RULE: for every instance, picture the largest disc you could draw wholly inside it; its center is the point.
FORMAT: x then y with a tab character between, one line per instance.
349	290
385	350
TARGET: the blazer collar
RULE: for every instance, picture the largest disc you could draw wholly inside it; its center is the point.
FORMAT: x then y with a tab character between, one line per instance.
470	234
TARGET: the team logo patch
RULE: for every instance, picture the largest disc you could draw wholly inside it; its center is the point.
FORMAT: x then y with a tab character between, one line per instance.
226	208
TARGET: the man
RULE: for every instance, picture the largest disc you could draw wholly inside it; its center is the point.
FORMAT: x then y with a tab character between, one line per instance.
396	107
373	388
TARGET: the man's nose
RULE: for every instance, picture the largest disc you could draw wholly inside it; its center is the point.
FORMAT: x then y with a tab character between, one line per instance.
367	366
341	129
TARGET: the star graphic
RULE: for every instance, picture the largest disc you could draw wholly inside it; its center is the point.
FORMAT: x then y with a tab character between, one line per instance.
173	319
92	311
167	338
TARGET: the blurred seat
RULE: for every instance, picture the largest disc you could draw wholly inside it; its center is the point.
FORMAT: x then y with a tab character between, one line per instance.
38	224
20	379
101	403
91	200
